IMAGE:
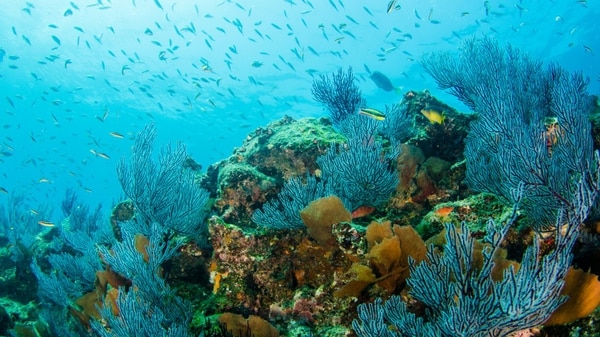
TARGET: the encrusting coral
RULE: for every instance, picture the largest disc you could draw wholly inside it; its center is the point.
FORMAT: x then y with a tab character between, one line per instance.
386	263
583	291
320	215
239	326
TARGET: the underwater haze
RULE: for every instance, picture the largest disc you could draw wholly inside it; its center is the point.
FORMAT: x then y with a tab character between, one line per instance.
81	78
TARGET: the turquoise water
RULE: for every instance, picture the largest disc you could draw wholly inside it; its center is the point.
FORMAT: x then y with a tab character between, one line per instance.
76	76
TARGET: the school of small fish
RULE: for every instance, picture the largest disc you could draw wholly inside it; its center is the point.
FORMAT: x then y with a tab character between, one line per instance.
81	78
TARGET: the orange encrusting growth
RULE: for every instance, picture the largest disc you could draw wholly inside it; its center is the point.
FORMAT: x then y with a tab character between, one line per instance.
583	291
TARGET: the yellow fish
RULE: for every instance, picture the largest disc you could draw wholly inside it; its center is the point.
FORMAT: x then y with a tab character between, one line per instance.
373	113
434	114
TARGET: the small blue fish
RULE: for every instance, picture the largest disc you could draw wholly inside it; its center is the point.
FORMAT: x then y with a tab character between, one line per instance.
56	39
352	19
392	6
333	5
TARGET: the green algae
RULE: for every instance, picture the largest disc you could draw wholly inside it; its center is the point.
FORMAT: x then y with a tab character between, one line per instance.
304	133
474	210
231	174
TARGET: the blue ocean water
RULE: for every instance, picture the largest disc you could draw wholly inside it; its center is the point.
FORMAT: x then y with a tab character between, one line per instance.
81	78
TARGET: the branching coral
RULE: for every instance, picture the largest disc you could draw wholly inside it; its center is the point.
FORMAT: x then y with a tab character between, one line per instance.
466	301
163	192
339	93
533	126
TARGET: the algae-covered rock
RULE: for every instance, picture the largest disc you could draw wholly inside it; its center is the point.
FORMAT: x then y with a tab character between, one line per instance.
474	210
444	140
424	182
283	275
268	156
241	189
290	148
436	168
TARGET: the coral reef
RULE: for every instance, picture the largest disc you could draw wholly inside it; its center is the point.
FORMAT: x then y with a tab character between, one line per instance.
241	187
268	156
294	279
504	148
270	275
475	210
442	140
300	280
386	261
